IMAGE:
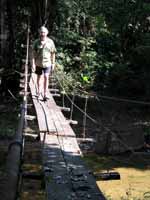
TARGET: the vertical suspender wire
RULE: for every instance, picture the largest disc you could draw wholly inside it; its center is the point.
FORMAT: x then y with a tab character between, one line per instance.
84	117
54	82
63	94
63	99
72	106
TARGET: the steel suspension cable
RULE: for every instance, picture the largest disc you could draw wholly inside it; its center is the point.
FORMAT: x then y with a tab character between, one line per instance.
99	124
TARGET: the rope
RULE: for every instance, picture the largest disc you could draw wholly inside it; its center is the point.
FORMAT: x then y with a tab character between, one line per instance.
123	100
108	98
12	95
99	124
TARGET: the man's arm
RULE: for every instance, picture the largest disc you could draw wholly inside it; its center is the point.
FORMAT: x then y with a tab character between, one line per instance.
33	64
34	47
33	60
53	60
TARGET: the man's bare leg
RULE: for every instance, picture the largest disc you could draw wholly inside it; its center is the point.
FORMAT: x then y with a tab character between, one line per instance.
39	84
46	82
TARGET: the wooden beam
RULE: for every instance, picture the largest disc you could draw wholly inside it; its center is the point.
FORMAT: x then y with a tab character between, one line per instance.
54	90
73	122
64	109
56	95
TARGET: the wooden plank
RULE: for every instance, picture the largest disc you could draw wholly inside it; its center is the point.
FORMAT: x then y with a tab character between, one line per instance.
56	121
59	118
48	119
61	179
87	187
46	124
65	109
38	108
51	105
72	155
66	175
54	90
40	116
58	184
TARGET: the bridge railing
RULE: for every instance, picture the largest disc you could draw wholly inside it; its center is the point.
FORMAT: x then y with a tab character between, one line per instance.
12	170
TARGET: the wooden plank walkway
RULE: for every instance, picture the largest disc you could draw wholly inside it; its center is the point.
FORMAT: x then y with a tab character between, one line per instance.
66	175
44	118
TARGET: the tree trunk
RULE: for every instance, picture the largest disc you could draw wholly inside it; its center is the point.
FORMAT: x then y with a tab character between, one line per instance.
3	33
11	10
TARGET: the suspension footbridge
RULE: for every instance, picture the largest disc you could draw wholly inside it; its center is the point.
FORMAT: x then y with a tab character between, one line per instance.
66	175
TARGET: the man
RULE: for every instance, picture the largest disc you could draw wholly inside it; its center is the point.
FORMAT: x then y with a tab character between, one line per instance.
43	60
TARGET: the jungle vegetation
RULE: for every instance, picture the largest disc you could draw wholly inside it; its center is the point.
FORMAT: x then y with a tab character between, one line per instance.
102	45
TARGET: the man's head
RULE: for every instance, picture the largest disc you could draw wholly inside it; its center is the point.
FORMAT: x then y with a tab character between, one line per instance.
43	32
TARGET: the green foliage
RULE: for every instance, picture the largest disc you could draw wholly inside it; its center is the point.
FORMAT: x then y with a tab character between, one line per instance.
69	81
97	40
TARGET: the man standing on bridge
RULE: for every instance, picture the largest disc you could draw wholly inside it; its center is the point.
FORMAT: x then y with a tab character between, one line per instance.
43	60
